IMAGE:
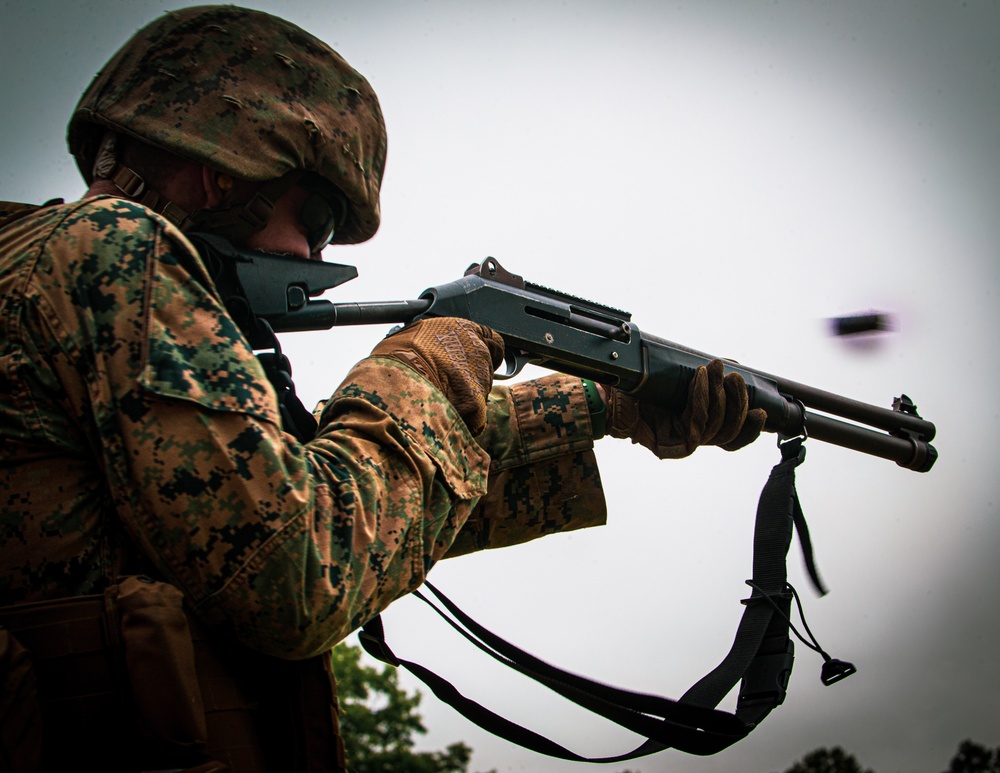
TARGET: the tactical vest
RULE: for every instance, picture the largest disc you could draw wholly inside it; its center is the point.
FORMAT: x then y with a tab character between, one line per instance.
127	681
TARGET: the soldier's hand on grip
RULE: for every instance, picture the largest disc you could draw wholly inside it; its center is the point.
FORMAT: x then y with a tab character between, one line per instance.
715	414
458	356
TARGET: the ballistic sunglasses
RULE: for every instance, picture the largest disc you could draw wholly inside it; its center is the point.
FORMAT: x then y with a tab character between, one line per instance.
323	211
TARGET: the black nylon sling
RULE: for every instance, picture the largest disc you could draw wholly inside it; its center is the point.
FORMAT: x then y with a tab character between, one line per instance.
761	656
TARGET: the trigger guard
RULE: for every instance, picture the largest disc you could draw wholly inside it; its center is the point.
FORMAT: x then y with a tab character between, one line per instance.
514	363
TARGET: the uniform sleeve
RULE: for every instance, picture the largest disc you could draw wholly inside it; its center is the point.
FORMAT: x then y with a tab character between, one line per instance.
543	472
289	546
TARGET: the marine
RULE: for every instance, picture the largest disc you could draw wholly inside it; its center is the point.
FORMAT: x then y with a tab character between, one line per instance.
175	563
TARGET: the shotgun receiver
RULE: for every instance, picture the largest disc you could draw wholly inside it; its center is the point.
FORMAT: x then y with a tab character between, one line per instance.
560	332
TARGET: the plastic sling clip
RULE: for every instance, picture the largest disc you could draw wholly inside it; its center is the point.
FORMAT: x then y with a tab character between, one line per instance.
766	680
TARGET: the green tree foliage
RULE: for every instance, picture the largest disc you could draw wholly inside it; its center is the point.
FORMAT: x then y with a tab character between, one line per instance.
973	758
969	758
379	720
834	760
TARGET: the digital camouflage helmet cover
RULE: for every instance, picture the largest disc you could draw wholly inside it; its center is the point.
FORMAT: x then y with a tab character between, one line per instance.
245	93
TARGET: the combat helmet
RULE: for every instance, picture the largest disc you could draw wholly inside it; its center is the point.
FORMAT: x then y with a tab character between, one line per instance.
248	94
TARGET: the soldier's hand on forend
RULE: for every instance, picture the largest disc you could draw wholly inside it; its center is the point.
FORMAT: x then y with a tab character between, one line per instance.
458	356
716	414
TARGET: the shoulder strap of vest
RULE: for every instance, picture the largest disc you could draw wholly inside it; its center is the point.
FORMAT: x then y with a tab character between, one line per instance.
12	210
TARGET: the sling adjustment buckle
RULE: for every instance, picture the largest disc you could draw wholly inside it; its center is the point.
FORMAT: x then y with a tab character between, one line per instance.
766	680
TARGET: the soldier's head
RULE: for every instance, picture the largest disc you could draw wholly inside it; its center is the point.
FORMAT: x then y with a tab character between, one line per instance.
226	120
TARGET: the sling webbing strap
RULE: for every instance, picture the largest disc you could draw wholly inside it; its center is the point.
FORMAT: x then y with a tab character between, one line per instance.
761	656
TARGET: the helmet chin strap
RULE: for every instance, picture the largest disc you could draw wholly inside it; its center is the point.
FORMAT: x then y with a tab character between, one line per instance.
237	223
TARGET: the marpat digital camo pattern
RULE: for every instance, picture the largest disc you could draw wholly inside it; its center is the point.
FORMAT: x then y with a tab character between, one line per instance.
246	93
138	428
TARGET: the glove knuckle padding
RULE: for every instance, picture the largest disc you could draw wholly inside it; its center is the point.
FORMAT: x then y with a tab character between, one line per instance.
456	355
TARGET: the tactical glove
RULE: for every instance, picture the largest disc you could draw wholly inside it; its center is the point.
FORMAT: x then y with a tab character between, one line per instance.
716	414
455	355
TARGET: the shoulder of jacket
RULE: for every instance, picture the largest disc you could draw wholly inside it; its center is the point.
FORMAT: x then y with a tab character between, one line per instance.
115	211
121	223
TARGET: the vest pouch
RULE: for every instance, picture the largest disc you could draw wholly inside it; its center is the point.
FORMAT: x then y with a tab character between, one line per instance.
68	646
20	713
127	682
156	644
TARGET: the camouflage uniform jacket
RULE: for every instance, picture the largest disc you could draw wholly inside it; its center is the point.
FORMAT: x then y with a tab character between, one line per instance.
136	425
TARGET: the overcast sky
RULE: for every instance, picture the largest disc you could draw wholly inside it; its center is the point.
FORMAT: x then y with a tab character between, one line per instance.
732	173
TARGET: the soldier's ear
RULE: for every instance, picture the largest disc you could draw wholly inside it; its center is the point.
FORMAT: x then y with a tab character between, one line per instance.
215	186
